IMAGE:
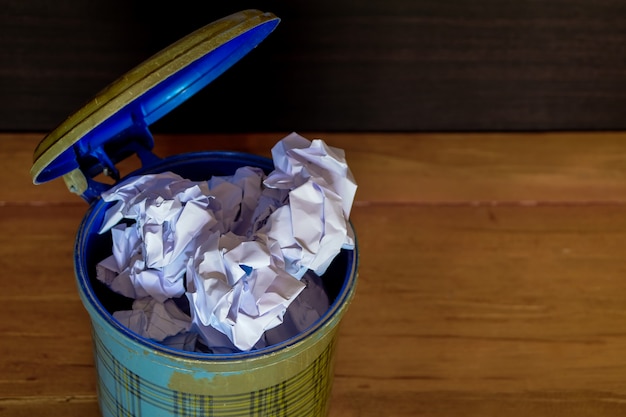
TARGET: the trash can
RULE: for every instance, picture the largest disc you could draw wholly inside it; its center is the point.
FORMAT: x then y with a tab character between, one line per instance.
138	376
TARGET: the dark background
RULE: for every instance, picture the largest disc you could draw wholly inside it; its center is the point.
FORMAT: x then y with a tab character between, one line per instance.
335	65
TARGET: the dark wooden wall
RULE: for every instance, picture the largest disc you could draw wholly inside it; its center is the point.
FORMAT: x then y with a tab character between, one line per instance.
375	65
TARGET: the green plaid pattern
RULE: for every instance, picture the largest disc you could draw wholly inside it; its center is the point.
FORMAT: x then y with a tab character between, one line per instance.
122	393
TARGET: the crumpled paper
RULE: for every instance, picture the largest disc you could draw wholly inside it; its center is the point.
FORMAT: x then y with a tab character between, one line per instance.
236	247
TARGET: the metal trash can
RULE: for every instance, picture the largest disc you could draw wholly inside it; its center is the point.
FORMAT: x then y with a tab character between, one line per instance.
140	377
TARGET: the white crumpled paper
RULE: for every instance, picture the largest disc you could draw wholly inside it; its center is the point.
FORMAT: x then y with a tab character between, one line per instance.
237	247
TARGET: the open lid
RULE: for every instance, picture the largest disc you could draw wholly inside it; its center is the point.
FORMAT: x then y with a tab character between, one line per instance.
114	124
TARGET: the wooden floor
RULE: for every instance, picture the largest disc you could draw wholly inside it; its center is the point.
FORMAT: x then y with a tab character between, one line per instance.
492	277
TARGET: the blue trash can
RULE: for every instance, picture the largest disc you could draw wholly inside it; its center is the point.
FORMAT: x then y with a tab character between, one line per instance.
138	376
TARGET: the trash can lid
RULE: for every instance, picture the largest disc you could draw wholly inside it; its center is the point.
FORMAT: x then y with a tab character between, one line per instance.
114	123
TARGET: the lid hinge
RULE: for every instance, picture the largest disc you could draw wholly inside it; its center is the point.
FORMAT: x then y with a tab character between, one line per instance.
108	167
99	157
88	189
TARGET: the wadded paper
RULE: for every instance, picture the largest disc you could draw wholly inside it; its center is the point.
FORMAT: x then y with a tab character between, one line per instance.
241	249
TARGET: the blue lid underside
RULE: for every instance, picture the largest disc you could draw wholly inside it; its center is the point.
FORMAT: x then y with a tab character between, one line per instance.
126	131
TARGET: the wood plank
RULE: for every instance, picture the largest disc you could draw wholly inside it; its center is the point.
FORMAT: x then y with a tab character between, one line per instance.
405	168
478	309
370	403
485	311
69	406
38	243
530	297
46	348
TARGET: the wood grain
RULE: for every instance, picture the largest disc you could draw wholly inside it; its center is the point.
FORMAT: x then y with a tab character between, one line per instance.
446	168
341	65
471	300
